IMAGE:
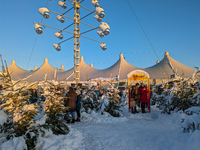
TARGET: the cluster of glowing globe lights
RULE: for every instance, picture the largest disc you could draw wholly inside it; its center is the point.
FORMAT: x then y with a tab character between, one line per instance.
103	29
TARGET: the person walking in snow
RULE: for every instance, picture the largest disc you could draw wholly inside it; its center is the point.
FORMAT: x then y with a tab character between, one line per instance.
135	96
78	106
143	96
70	102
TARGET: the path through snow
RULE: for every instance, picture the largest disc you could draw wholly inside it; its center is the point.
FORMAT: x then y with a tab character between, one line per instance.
139	131
133	131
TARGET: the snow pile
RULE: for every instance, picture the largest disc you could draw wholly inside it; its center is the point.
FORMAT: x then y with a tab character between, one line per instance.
194	139
101	118
192	110
17	143
191	144
3	117
50	141
192	123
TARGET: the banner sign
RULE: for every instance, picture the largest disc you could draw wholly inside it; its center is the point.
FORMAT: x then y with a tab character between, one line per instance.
122	83
138	75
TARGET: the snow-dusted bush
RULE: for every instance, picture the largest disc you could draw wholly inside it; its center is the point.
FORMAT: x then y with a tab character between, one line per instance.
54	109
89	100
192	121
109	102
20	113
177	95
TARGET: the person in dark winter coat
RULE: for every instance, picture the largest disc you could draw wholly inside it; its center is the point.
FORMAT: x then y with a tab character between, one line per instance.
135	96
34	96
143	96
78	106
71	104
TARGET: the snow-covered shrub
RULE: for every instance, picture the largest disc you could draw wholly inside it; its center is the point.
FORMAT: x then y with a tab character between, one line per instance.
177	95
192	121
110	103
54	108
20	114
193	110
89	101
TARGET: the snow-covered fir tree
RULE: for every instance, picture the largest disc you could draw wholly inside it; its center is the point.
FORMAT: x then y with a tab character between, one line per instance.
20	113
54	109
110	102
192	121
89	100
175	95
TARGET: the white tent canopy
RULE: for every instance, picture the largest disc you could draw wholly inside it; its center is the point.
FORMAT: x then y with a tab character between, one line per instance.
161	70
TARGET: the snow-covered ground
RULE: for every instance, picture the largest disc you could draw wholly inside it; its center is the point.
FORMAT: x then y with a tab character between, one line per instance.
153	131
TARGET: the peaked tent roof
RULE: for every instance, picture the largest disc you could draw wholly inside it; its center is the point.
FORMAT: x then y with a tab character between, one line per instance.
86	72
162	70
39	74
167	67
17	72
121	68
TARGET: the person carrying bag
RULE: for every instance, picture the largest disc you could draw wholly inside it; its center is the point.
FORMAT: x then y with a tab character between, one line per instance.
135	96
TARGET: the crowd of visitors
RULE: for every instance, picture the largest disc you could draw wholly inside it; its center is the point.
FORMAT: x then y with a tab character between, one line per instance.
139	97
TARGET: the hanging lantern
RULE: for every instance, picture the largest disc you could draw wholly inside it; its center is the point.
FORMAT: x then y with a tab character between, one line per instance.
44	12
59	35
60	18
62	4
100	33
57	47
104	27
100	12
38	28
103	46
95	3
98	18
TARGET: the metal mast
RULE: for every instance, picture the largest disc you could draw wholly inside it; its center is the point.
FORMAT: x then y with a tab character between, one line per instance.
103	28
77	41
3	68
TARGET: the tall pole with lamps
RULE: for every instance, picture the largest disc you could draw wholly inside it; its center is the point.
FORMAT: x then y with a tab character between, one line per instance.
103	28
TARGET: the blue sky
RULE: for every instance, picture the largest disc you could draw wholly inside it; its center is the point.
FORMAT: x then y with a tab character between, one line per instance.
171	25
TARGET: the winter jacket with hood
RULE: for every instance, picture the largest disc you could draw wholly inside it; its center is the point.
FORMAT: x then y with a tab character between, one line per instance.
71	100
143	94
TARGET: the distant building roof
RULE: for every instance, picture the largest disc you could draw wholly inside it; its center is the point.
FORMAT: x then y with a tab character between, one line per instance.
161	70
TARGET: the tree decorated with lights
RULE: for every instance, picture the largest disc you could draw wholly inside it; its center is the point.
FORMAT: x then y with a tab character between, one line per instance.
103	28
